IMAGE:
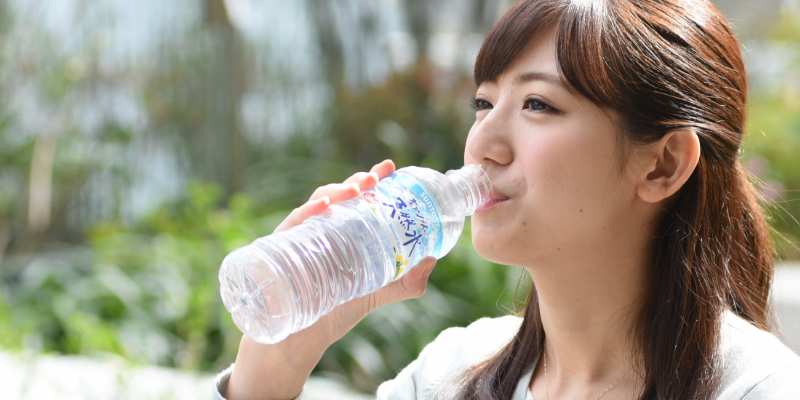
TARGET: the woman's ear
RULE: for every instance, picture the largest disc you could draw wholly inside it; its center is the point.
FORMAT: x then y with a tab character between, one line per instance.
669	164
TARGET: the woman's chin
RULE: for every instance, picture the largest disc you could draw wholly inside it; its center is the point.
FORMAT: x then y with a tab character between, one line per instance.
489	247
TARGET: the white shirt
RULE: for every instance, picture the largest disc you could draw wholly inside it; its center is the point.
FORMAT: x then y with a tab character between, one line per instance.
757	366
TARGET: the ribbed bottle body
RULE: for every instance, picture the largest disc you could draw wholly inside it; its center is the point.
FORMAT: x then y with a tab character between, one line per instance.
284	282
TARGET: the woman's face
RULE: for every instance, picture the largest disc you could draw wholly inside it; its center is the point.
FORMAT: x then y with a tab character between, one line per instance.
553	160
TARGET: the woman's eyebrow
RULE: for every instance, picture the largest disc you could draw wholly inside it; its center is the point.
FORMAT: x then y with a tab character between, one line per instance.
526	77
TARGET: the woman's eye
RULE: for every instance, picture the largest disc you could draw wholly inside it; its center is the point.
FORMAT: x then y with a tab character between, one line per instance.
480	104
537	105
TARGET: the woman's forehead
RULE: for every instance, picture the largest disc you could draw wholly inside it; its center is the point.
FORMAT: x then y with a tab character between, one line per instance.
537	62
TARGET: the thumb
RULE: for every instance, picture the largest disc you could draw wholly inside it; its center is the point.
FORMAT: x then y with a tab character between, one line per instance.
411	285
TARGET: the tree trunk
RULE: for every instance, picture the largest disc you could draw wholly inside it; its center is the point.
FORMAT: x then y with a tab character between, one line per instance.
40	196
224	148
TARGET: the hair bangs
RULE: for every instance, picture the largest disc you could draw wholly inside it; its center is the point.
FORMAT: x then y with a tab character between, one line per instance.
580	49
509	36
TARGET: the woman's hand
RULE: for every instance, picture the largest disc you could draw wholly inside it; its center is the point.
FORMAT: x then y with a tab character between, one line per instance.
279	371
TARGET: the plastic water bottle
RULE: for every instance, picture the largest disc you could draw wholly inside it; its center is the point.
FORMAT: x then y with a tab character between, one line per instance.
284	282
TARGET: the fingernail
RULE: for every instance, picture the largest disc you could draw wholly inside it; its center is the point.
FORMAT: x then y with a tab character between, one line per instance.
325	199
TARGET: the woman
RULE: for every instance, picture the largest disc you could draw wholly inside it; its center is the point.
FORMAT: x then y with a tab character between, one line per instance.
611	133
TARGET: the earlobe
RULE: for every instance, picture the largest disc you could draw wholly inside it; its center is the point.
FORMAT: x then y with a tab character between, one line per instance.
671	162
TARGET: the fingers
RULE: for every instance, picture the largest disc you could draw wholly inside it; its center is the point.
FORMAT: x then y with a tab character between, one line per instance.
367	180
300	214
344	317
363	178
355	184
383	169
336	192
410	286
415	284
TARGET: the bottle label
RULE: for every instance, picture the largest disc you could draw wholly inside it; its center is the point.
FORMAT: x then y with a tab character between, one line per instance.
415	222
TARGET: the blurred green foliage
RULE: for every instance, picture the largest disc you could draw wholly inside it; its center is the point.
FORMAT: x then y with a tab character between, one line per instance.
772	141
149	292
96	279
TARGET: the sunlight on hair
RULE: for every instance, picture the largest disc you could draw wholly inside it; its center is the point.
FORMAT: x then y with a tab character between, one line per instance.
597	7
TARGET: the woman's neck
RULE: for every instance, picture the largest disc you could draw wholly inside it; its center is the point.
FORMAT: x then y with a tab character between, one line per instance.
588	306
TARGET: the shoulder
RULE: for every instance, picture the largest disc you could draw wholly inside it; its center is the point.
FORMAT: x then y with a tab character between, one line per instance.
477	341
756	364
452	353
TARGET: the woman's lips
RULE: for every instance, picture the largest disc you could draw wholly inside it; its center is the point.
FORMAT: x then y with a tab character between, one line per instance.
494	199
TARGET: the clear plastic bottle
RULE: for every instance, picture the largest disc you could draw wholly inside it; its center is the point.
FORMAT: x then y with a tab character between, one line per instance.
284	282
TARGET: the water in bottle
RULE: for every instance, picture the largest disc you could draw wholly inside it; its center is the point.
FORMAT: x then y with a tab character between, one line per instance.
284	282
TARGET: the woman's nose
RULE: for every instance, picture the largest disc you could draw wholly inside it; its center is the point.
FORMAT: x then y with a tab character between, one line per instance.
489	140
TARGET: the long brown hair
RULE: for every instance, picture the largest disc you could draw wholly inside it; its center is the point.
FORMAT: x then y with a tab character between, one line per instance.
660	65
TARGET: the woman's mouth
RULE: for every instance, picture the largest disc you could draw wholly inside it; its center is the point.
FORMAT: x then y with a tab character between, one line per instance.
494	199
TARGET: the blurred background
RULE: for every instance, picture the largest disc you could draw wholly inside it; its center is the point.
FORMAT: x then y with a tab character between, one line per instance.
140	142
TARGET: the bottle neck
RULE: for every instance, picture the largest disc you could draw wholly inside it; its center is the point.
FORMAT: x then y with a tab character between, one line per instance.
473	182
